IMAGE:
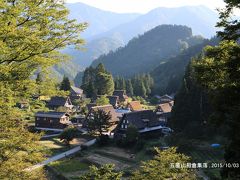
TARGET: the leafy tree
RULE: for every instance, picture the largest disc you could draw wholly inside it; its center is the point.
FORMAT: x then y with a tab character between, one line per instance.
191	109
100	68
99	122
68	135
105	172
117	82
62	109
31	34
160	167
65	84
129	87
97	81
104	84
218	72
102	100
19	148
142	90
35	31
39	78
229	23
132	135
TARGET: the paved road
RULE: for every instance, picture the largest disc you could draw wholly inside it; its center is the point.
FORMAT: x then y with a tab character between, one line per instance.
60	156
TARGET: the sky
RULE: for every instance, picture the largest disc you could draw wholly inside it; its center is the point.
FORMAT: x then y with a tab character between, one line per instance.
143	6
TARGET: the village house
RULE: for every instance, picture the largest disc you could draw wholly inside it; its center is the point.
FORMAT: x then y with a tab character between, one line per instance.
107	109
114	101
164	99
51	120
56	102
122	95
145	121
76	93
163	111
135	106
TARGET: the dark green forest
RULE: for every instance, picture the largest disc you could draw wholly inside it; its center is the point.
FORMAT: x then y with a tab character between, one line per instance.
168	76
146	51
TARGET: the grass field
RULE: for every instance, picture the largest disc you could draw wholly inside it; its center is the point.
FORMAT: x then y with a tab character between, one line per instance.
208	155
70	165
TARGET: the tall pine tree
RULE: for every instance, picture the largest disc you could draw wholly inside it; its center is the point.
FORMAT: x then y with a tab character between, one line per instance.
65	84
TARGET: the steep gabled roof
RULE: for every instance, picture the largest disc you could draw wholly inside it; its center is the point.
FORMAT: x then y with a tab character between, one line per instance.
141	119
113	100
165	108
135	106
58	101
76	90
108	109
121	94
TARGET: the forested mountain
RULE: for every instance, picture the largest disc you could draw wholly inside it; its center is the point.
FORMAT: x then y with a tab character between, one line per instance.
145	52
68	68
99	22
201	19
168	76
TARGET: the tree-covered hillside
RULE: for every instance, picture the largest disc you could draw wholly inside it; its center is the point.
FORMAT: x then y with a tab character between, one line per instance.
145	52
168	76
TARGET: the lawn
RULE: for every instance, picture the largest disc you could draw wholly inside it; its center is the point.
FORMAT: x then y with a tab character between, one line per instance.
54	146
70	165
208	155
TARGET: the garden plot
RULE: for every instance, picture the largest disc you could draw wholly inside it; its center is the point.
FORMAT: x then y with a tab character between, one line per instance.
101	160
117	153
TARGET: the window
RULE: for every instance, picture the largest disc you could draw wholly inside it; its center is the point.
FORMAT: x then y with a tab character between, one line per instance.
122	126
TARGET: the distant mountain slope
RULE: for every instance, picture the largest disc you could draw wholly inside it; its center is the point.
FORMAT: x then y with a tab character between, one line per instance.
168	76
93	50
147	51
68	68
99	20
201	19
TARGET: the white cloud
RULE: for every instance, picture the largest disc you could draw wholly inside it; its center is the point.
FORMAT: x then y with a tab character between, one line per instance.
144	6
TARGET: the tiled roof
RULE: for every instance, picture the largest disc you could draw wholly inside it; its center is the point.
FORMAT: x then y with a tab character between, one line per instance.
135	106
